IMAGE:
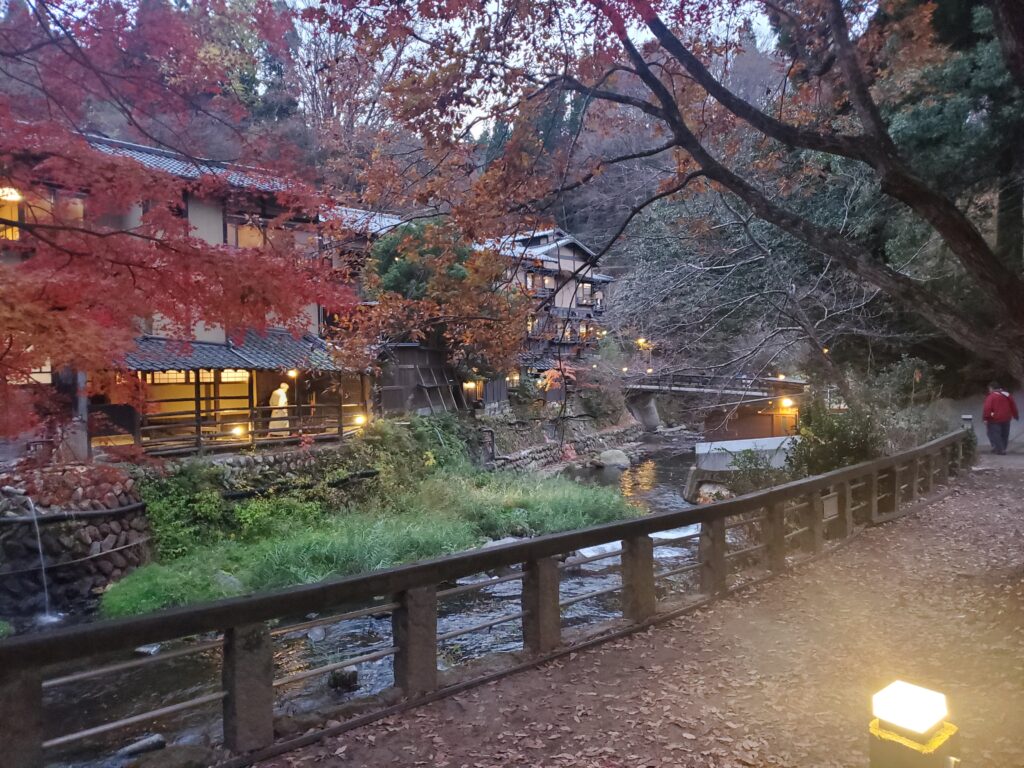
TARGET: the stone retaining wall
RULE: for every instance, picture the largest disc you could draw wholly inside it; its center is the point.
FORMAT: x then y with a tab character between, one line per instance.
92	529
249	467
552	453
82	553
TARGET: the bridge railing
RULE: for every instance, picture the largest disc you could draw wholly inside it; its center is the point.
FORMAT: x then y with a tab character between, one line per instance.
732	544
668	381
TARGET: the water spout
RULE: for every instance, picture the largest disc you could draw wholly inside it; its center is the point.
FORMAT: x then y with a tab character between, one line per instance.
47	617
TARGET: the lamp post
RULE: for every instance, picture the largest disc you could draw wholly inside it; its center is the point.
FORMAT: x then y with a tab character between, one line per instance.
909	729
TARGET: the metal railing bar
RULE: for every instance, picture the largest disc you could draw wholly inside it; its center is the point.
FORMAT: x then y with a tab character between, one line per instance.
589	595
680	569
592	559
745	550
460	590
145	716
503	619
748	521
676	540
296	677
123	665
381	608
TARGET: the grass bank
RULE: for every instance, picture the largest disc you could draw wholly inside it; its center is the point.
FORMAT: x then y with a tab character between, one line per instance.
426	500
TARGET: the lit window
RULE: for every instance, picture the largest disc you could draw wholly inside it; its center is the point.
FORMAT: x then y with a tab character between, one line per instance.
10	210
244	234
206	376
585	295
170	377
42	375
234	374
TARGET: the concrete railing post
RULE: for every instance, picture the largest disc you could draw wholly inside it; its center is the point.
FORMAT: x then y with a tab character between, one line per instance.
816	523
713	573
927	474
775	537
414	629
542	615
639	600
843	524
871	497
248	678
21	713
914	468
897	490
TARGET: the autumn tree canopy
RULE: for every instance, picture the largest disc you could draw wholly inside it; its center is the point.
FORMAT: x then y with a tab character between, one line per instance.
659	70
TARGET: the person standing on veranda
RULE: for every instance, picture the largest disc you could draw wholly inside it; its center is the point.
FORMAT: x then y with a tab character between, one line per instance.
998	410
279	414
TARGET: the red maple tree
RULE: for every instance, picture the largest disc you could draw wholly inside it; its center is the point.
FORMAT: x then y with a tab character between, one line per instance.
95	244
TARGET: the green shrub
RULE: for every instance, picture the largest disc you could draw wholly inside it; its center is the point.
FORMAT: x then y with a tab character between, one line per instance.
753	471
6	630
830	440
264	515
185	509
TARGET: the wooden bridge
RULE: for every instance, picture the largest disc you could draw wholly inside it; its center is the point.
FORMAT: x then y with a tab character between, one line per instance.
738	543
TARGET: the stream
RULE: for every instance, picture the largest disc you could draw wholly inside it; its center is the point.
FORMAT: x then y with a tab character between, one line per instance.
655	483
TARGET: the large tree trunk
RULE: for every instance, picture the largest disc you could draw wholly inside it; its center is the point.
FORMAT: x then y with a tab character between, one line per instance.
1010	28
1010	221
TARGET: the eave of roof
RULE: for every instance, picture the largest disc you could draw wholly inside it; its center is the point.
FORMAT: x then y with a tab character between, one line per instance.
179	165
274	350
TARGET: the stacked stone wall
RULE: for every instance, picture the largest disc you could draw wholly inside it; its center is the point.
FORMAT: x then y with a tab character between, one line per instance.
84	526
554	452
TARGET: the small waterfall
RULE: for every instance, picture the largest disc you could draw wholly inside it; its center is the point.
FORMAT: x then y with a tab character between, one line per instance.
47	617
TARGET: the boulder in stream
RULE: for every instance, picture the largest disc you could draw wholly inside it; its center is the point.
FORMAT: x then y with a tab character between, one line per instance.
345	679
710	492
613	457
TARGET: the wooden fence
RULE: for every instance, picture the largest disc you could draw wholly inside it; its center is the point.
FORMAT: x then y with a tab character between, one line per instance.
740	541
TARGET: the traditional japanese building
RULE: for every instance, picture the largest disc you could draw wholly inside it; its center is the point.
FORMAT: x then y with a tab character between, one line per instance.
560	273
220	388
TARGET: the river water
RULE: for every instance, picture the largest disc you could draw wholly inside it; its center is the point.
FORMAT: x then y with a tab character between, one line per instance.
655	483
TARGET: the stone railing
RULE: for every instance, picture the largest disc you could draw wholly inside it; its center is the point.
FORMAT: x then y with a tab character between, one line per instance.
735	543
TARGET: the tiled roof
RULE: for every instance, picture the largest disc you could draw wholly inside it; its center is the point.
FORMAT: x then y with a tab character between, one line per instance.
540	362
370	222
187	168
274	350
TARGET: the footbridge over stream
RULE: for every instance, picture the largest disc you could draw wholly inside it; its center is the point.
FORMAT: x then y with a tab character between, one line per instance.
648	571
742	387
741	399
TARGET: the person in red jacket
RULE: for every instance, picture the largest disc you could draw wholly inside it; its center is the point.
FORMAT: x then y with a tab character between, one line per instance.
997	411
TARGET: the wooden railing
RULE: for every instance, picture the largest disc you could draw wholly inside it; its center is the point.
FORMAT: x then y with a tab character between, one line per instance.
237	425
739	542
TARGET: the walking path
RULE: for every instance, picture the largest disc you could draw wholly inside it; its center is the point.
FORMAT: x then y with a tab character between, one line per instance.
780	675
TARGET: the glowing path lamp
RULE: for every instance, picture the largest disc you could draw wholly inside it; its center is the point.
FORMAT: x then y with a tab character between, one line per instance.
910	729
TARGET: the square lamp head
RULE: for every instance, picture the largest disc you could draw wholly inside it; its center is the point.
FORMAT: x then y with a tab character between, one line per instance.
909	708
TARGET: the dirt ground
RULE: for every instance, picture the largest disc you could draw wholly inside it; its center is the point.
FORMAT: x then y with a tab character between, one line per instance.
780	675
